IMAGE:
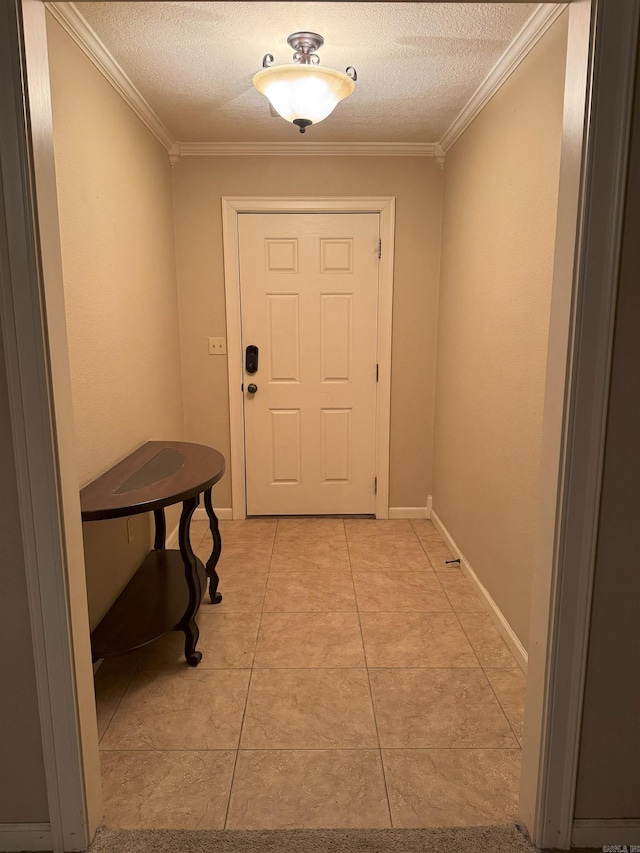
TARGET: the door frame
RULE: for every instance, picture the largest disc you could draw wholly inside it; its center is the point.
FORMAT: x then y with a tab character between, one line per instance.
595	157
232	207
602	52
32	316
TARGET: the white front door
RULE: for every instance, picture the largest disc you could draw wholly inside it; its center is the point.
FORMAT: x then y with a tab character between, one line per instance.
309	297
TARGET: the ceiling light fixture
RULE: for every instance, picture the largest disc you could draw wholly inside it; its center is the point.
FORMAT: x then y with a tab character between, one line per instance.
303	93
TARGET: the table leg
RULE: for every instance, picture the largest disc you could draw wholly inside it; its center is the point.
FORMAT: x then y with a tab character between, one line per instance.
214	580
188	622
161	530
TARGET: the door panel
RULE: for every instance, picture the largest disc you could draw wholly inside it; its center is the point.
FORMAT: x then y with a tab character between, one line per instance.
283	337
309	296
285	446
335	337
336	445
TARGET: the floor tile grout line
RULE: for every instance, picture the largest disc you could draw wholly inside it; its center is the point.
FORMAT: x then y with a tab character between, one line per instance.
483	612
440	542
413	530
433	536
124	693
425	553
321	572
506	716
373	707
246	701
273	548
453	607
457	615
237	753
330	749
346	539
440	584
355	610
375	722
305	668
359	571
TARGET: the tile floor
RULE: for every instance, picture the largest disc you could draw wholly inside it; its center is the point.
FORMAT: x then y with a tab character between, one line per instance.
349	679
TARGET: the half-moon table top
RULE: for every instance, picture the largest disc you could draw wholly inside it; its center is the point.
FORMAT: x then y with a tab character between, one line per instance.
158	474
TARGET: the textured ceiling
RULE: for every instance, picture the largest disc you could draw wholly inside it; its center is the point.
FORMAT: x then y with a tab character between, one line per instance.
418	63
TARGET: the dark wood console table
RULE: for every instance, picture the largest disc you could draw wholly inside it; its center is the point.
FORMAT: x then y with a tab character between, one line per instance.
165	593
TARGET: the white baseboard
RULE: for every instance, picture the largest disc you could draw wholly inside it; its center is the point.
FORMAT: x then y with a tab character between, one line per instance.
25	836
223	514
508	634
429	506
602	833
226	513
199	515
408	512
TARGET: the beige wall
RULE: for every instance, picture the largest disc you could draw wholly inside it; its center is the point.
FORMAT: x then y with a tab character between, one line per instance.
499	210
199	184
608	784
23	794
116	221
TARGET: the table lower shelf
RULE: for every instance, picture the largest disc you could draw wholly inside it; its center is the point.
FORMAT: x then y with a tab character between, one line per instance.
152	604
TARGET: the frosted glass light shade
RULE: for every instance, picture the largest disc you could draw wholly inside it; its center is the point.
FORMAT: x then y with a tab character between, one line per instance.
303	91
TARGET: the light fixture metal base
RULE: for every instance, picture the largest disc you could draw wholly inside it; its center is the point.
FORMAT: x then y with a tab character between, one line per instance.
305	42
302	124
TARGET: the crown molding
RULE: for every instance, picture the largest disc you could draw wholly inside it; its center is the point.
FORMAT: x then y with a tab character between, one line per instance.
359	149
530	34
68	16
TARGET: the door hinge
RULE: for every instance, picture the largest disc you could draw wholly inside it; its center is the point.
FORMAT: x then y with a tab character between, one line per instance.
377	371
379	248
375	485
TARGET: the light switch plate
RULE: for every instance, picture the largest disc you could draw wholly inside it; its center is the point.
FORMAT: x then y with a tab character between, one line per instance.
217	346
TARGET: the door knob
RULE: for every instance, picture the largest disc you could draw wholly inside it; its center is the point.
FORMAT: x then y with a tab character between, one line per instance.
252	388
